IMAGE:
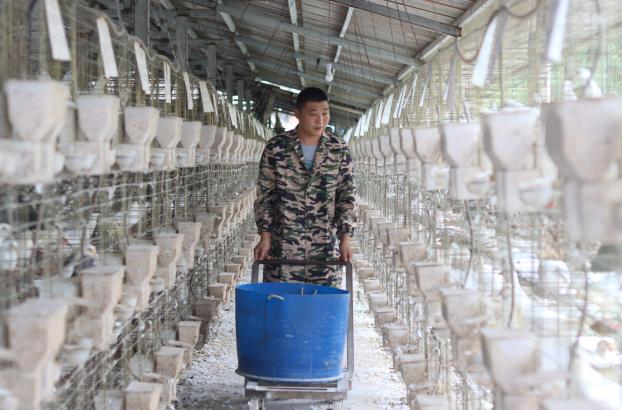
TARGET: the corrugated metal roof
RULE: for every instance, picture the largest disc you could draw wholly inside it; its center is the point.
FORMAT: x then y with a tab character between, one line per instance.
382	39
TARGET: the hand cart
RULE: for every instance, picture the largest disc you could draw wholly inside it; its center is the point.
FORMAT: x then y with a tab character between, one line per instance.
260	391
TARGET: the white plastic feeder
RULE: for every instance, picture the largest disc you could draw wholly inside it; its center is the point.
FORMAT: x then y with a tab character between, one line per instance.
88	158
25	162
190	134
368	149
258	151
435	176
233	148
208	133
399	159
583	139
509	354
509	137
220	138
131	157
407	142
103	286
370	213
460	143
357	151
224	152
98	116
244	150
509	140
463	310
36	109
592	210
36	332
142	396
241	150
185	157
191	232
252	144
170	247
169	131
430	402
217	222
428	145
382	231
361	155
374	222
157	158
374	146
140	262
395	237
384	143
431	276
141	124
168	136
411	252
582	136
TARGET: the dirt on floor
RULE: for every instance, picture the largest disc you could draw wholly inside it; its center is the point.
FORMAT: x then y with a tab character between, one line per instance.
213	384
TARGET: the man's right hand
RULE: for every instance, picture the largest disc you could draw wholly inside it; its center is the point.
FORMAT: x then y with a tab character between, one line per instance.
262	250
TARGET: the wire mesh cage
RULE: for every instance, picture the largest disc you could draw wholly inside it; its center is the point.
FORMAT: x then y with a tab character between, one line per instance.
82	224
533	275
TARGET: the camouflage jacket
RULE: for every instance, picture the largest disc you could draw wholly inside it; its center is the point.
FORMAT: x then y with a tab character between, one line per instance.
305	211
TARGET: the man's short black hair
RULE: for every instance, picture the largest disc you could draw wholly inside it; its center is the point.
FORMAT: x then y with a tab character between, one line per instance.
310	94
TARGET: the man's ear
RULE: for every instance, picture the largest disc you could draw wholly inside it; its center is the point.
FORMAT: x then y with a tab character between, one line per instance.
297	113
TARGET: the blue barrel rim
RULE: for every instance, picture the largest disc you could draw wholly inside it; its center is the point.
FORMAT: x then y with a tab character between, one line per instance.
340	376
253	288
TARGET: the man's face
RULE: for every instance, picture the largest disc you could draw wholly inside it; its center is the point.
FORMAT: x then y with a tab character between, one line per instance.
313	117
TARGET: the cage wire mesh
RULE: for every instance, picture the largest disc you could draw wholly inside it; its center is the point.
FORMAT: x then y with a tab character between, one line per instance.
51	232
531	275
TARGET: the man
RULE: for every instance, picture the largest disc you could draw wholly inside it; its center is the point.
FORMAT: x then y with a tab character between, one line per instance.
305	196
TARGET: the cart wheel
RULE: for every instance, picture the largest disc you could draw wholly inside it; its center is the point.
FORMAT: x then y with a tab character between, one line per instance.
253	404
257	403
335	405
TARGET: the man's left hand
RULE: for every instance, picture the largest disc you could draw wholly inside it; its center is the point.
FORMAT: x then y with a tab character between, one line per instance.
345	249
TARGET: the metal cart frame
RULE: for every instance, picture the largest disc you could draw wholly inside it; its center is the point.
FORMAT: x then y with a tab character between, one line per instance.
260	392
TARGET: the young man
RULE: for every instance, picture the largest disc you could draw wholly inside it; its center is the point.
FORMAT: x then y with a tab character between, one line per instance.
306	203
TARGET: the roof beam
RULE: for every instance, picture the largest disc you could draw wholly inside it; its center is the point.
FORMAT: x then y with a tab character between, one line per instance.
342	33
347	101
404	16
349	70
232	28
293	15
437	44
287	103
141	21
355	89
181	42
185	12
341	85
268	21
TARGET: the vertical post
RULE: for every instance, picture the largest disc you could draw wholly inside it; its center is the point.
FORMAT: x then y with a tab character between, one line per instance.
229	81
249	99
269	106
181	40
211	62
240	94
141	21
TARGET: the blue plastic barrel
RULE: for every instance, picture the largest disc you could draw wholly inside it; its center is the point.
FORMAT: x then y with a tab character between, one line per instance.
291	332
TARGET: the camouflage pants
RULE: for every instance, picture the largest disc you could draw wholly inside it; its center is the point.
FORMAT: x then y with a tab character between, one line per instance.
312	275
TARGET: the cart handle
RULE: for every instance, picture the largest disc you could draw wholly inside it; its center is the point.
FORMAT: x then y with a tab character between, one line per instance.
349	288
